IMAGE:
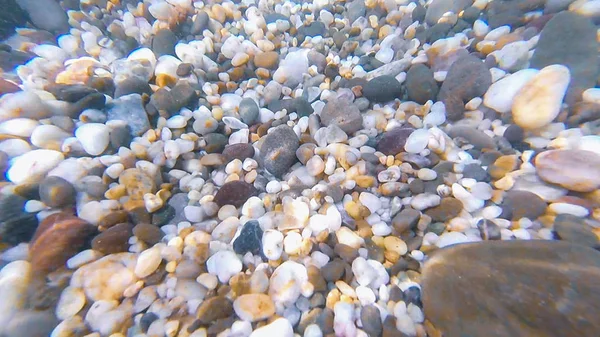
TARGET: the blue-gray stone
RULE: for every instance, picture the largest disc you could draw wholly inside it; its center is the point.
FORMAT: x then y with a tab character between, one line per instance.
129	108
248	111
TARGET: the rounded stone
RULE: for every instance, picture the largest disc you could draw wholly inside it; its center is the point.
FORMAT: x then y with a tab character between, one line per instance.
56	192
113	240
343	114
392	142
575	170
420	84
278	152
522	204
382	89
248	111
234	193
254	307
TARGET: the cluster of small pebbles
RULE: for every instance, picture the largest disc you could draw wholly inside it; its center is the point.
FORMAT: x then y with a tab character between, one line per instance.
286	168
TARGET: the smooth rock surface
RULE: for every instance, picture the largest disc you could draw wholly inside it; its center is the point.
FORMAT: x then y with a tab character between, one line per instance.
278	151
575	170
496	288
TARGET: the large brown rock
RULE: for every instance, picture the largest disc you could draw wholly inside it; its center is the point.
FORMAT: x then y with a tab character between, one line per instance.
575	170
513	288
58	237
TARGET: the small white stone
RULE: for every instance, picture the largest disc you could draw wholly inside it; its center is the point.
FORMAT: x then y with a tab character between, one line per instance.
148	262
566	208
348	237
273	186
48	137
31	166
94	137
71	301
425	200
20	127
417	141
426	174
365	295
451	238
272	242
253	208
288	282
224	264
280	327
501	94
315	165
370	201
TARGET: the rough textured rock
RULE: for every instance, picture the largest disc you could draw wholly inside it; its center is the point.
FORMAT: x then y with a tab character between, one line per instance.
278	151
570	39
343	114
513	288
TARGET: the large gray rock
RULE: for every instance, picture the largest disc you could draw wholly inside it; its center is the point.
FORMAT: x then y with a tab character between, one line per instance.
343	114
570	39
513	288
46	14
129	108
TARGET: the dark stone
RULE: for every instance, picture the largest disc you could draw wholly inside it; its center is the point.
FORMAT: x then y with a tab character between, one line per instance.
11	17
416	186
69	92
163	216
200	23
570	39
12	58
522	204
420	84
575	229
325	321
273	17
346	252
250	239
418	14
513	288
438	31
278	152
298	105
356	9
150	234
333	270
146	320
56	192
501	13
374	252
184	95
396	294
234	193
475	171
392	142
315	28
132	85
162	100
479	139
382	89
438	8
471	14
120	136
184	69
249	111
371	320
344	114
113	240
489	230
467	78
215	142
406	219
214	308
238	151
514	133
16	225
164	43
413	295
449	208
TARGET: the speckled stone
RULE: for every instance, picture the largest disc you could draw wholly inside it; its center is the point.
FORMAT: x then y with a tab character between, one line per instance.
392	142
278	152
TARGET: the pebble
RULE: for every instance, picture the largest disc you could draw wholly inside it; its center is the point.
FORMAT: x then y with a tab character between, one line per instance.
234	193
539	101
417	141
501	94
129	108
394	141
113	240
150	234
578	51
575	170
382	89
224	264
288	282
343	114
56	192
250	239
94	137
254	307
268	60
522	204
33	165
248	111
278	151
214	308
420	84
279	327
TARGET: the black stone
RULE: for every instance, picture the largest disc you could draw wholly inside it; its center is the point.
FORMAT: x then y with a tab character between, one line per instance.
11	17
69	92
418	14
371	320
16	225
132	85
163	216
250	239
489	230
184	95
420	84
471	14
164	43
413	295
514	133
200	23
315	28
120	136
382	89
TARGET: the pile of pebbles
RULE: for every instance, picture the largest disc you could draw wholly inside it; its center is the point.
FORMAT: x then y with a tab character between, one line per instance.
282	168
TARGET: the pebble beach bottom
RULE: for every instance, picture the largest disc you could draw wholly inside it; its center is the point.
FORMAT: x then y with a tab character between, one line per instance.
280	168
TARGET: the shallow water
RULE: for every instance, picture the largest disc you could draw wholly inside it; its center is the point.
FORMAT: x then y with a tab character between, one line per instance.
288	168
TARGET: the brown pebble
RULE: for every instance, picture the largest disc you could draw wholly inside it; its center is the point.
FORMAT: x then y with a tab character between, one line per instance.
212	159
503	165
56	192
111	219
184	69
150	234
137	183
213	309
449	208
269	60
238	151
316	279
234	193
58	237
346	252
113	240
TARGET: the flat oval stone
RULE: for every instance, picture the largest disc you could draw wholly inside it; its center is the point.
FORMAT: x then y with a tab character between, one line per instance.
58	238
344	114
575	170
513	288
254	307
113	240
238	151
278	151
56	192
392	142
475	137
234	193
522	204
382	89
